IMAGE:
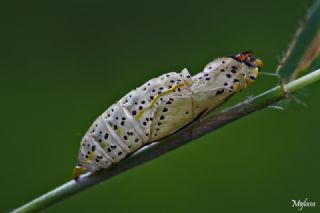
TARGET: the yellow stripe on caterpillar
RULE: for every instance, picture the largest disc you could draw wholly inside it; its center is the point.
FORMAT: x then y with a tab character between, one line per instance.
164	93
153	102
91	156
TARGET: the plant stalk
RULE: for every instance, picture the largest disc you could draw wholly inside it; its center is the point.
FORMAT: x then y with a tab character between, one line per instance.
182	137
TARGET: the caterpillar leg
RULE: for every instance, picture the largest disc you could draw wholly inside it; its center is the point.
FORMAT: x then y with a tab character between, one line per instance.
77	171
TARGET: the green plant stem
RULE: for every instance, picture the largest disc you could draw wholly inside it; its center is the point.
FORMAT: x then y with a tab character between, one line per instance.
195	130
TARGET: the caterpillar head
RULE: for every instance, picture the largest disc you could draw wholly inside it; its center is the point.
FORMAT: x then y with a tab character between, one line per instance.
251	65
233	73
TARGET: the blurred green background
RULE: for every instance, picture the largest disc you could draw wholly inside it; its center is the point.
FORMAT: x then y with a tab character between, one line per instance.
62	63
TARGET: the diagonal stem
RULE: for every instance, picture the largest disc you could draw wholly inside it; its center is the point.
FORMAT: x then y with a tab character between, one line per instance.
176	140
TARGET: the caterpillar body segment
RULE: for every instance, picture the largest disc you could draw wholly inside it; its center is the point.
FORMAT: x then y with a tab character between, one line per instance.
160	107
172	114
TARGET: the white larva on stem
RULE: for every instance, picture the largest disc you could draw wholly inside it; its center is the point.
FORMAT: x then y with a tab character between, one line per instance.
160	107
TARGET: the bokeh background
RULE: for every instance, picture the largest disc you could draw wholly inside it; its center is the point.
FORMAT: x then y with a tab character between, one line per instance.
62	63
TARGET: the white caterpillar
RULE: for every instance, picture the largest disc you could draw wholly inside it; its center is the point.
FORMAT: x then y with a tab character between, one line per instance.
160	107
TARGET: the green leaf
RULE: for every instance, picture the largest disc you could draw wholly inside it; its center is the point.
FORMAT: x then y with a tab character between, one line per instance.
304	48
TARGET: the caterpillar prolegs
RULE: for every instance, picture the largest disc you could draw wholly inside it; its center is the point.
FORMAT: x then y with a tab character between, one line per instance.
160	107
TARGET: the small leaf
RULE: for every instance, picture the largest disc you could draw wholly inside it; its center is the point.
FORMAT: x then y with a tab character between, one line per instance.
304	47
310	60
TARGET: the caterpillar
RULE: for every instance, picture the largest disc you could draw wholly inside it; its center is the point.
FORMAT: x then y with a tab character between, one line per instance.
160	107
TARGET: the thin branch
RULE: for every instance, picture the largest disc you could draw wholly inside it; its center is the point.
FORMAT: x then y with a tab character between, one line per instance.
174	141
